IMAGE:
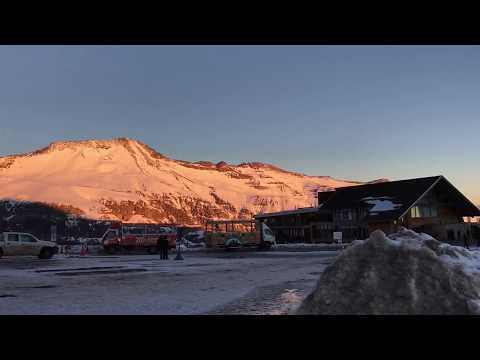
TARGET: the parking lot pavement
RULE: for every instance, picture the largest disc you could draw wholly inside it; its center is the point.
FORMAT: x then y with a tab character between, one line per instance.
203	283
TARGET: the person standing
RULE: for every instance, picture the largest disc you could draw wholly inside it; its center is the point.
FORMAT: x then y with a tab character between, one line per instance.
160	247
465	241
165	248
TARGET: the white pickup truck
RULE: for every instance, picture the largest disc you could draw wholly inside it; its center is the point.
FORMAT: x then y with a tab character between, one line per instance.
18	243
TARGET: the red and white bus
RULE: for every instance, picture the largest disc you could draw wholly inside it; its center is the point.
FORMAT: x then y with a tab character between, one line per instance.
128	237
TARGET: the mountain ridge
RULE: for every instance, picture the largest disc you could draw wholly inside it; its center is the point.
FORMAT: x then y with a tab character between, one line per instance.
125	179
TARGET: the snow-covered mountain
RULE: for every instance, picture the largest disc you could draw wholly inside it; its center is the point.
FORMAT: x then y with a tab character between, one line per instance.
124	179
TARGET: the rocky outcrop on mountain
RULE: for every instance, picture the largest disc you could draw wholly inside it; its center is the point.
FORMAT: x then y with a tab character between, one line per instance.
168	209
6	162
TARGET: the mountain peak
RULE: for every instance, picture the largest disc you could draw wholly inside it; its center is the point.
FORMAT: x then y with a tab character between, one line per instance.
221	164
97	144
124	179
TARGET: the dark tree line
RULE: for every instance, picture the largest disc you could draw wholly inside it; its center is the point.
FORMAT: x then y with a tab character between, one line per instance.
38	218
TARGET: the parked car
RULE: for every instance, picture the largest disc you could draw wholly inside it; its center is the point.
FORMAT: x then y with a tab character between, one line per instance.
19	243
189	244
94	246
197	237
93	242
88	241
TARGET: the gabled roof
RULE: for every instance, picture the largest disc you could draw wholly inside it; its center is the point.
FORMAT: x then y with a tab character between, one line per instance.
288	212
391	200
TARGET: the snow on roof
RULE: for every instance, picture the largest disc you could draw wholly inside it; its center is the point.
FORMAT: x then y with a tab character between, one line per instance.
381	203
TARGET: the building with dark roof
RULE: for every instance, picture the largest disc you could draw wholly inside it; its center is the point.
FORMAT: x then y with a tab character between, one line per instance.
305	225
431	205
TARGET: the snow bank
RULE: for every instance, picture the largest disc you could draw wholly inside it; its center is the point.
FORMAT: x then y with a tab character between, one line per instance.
192	246
404	273
309	245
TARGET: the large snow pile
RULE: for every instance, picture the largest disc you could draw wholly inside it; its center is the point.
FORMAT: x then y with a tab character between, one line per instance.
404	273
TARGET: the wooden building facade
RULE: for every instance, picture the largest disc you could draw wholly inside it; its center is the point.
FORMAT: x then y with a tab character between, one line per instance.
431	205
306	225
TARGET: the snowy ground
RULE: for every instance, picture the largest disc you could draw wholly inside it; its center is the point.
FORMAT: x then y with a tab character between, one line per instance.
310	246
204	283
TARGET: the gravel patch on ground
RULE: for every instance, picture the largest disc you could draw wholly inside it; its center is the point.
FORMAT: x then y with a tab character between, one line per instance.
278	299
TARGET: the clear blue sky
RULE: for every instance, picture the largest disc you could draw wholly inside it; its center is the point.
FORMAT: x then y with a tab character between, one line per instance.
353	112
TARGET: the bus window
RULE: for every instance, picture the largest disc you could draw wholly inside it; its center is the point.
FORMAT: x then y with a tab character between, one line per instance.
112	234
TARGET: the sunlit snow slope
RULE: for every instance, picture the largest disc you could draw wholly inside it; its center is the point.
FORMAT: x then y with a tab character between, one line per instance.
126	180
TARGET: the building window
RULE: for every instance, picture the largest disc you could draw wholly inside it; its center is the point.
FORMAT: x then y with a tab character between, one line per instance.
415	212
27	238
12	237
423	211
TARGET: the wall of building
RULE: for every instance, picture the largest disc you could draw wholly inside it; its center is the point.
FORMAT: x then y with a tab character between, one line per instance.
322	232
317	227
436	226
387	227
351	222
301	228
